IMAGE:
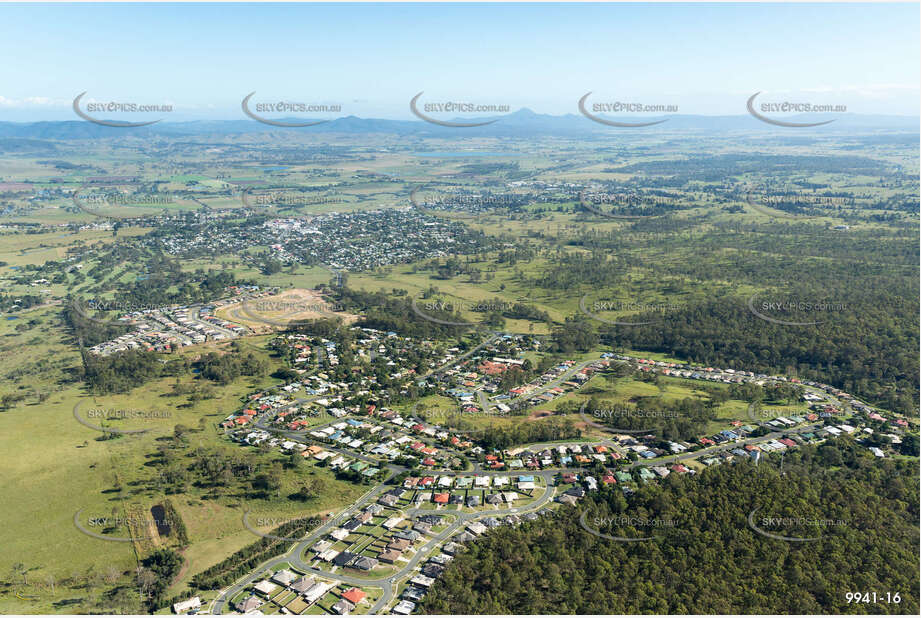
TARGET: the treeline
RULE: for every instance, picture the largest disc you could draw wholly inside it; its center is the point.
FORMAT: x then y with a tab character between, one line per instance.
396	313
500	437
703	557
178	529
225	368
18	302
156	574
90	331
122	371
717	168
245	560
685	419
859	349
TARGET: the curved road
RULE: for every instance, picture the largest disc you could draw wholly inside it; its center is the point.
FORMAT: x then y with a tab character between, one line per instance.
293	555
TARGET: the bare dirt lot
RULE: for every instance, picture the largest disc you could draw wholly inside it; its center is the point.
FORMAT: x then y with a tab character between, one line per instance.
270	313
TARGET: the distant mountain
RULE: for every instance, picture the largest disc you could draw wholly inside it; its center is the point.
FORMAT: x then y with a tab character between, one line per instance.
522	123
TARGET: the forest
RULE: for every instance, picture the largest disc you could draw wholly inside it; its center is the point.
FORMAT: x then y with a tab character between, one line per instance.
703	556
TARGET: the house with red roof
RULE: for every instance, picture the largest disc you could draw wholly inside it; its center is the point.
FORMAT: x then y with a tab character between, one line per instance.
353	596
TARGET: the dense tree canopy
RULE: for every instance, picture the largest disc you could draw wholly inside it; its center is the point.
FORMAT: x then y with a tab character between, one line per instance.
703	556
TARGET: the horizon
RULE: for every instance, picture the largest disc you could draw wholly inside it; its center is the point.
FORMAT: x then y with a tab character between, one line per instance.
703	60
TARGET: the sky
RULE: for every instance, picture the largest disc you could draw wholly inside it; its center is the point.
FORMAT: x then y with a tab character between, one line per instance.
371	59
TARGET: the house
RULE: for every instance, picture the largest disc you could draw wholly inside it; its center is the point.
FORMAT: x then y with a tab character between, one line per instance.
389	556
249	604
344	559
400	545
422	580
284	577
328	555
184	606
343	607
452	548
413	594
353	595
265	587
339	534
422	527
476	528
351	525
409	535
364	517
303	584
316	592
388	500
404	607
393	522
365	563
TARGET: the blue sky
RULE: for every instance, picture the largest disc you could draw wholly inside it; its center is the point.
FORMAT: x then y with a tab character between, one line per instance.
372	58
